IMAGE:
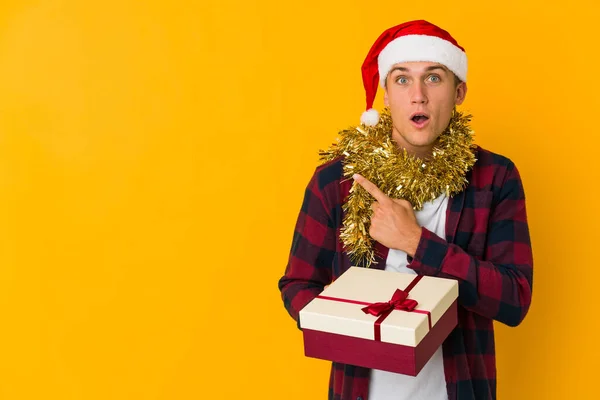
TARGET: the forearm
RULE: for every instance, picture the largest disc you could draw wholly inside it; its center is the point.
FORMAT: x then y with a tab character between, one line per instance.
497	289
297	292
309	267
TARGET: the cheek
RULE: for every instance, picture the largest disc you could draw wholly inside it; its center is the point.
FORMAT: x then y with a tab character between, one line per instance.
442	120
396	95
398	117
445	107
397	104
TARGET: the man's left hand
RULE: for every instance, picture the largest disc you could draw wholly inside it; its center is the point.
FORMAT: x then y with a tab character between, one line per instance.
393	223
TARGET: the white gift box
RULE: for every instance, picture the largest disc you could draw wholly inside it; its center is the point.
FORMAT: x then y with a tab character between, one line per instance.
380	319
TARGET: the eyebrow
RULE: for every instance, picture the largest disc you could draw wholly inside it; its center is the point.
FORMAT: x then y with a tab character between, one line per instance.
428	69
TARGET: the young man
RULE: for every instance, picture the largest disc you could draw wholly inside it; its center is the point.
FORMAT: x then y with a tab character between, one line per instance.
445	208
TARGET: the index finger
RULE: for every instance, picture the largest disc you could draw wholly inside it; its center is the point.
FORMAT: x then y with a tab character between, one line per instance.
371	188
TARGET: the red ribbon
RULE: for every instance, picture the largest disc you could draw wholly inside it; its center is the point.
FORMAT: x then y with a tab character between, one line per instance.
399	301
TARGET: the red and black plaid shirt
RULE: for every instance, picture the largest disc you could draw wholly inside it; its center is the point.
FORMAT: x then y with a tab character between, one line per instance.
487	249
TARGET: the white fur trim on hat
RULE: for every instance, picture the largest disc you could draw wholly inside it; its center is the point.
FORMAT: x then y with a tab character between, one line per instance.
422	48
370	117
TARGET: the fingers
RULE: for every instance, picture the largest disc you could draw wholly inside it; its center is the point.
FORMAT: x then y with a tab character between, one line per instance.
403	202
374	206
371	188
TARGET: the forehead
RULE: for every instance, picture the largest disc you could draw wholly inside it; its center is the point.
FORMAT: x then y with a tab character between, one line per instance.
418	67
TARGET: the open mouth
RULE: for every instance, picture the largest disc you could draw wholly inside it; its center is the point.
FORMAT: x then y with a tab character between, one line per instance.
419	120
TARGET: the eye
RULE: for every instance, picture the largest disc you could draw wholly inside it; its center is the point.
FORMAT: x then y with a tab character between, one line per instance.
434	78
402	80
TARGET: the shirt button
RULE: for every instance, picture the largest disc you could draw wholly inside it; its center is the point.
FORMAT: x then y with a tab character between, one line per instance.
359	398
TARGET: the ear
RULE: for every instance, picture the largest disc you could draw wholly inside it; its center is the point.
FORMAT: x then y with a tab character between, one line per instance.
386	99
461	93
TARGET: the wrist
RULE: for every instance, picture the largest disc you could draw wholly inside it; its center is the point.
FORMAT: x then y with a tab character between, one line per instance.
414	241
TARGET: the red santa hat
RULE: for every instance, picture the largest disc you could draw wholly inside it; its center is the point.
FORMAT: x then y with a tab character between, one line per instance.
410	41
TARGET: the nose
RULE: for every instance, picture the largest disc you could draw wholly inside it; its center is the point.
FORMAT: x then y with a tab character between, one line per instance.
418	94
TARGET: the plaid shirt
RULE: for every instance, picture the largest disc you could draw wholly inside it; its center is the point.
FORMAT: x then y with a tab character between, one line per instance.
487	249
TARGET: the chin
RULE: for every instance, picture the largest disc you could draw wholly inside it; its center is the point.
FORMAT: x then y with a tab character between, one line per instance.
422	145
417	138
420	141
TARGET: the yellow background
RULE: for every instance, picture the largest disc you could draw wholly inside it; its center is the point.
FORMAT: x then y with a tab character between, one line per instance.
153	157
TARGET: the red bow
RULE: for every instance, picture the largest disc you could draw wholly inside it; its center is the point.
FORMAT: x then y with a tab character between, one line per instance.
399	301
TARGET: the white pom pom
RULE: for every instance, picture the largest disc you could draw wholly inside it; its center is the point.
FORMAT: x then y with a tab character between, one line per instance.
370	117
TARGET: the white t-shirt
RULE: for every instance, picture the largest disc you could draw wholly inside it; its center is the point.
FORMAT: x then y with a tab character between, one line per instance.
430	383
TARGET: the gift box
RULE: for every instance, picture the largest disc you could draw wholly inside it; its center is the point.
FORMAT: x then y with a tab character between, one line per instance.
380	319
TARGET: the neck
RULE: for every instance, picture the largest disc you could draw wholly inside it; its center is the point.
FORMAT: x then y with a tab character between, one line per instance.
421	152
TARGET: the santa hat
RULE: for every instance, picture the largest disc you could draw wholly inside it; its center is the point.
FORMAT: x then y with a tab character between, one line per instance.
410	41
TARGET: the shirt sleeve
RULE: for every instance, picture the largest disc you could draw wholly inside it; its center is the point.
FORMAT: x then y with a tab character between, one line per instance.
309	265
499	286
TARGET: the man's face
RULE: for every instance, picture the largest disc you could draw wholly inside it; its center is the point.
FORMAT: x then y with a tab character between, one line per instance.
421	97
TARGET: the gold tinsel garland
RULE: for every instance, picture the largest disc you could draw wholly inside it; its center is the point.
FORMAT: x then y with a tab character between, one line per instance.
371	152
